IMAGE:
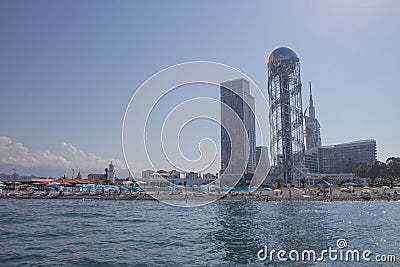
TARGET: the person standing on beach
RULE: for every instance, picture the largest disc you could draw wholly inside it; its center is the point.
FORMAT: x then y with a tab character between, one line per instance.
290	194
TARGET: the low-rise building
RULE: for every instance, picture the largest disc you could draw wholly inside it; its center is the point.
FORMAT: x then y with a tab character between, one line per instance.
344	158
97	178
209	176
146	174
164	178
192	175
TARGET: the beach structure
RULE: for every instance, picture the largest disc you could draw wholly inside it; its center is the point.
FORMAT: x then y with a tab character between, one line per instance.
286	115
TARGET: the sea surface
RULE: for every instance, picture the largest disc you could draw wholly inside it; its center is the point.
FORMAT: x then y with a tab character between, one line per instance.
150	233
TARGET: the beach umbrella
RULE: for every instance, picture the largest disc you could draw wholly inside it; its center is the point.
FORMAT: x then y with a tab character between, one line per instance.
322	182
349	184
155	187
137	189
202	187
34	188
254	187
385	187
238	188
277	190
193	187
79	186
123	188
226	188
178	186
267	189
247	188
396	187
170	188
216	186
2	185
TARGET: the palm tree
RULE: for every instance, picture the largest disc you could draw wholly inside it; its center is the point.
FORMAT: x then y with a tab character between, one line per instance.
278	182
303	181
107	182
392	169
389	181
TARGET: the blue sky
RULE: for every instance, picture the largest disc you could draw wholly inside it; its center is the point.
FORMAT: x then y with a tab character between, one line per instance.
69	68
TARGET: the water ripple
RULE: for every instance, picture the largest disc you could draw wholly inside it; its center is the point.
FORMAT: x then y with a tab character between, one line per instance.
147	233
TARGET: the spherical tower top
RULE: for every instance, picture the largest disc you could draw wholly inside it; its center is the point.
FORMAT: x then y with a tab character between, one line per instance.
281	53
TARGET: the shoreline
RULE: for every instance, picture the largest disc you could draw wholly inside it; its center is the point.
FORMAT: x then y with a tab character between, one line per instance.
285	194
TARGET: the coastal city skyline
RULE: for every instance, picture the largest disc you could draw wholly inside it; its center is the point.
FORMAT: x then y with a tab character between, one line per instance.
68	113
208	133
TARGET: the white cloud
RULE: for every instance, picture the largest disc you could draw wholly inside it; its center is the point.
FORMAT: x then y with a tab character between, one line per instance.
17	154
87	160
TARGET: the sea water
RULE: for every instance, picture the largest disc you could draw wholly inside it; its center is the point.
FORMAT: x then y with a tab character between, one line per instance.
150	233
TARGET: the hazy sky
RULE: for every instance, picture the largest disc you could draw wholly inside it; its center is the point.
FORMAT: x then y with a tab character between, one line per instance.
69	68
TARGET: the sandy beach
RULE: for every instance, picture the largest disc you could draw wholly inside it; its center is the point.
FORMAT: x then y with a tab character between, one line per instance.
283	194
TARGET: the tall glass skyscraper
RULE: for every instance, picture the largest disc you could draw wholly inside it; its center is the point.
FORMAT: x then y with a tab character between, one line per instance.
236	95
